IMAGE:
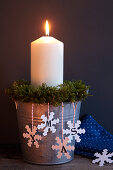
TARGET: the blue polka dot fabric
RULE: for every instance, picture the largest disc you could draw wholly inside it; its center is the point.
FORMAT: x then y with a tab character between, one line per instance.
94	140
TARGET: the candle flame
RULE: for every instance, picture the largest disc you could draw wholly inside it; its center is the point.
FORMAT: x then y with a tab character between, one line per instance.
47	28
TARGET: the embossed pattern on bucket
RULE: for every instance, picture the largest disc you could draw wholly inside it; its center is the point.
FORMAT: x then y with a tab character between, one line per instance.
44	154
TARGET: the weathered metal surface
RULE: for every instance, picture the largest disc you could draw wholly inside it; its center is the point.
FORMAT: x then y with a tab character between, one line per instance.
44	154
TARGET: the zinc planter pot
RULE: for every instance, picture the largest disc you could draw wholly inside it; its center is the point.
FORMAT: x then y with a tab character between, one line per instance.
40	151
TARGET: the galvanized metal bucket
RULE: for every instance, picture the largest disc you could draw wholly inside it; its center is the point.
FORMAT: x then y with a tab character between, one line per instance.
44	154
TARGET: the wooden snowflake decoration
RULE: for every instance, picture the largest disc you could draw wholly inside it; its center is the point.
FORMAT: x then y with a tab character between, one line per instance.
32	136
104	157
63	148
48	123
74	131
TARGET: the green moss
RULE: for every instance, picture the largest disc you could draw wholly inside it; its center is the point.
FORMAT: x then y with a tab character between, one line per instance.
69	91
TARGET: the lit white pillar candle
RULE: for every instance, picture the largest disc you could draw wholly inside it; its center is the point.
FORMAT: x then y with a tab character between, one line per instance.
47	60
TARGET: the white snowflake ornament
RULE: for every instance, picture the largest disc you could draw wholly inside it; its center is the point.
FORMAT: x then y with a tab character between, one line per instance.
48	123
102	158
32	136
74	131
63	148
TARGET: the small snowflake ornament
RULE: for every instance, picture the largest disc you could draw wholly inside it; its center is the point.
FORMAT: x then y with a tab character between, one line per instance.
32	136
63	148
48	123
102	158
74	131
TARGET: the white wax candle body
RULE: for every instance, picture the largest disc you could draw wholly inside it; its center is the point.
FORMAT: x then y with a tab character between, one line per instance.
47	61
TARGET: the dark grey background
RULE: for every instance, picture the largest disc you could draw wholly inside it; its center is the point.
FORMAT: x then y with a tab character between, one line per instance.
85	27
